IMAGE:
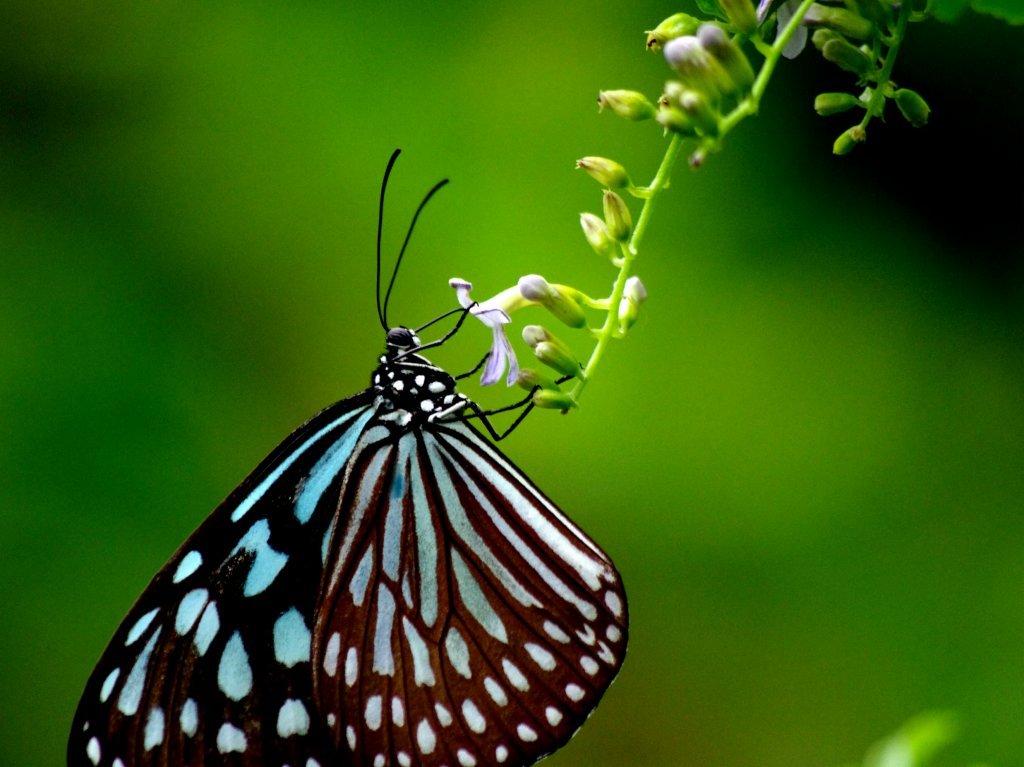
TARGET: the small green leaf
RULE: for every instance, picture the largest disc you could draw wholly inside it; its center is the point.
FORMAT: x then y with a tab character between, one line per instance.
1010	11
711	8
916	742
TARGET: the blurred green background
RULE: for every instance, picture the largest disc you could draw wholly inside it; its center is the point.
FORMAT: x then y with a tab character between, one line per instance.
806	460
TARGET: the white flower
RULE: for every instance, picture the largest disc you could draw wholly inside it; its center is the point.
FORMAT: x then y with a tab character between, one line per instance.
495	317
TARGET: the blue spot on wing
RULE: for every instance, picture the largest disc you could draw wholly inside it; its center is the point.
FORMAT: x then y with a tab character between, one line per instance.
267	563
328	467
398	486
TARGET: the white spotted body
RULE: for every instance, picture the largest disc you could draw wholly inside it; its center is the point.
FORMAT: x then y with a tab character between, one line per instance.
385	589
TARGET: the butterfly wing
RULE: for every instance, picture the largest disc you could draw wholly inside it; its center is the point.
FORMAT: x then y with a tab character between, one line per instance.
464	619
211	666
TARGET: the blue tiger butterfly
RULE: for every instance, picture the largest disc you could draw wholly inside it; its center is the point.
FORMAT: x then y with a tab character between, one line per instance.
385	588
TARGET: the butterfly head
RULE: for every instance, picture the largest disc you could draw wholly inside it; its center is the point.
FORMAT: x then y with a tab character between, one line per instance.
401	340
410	388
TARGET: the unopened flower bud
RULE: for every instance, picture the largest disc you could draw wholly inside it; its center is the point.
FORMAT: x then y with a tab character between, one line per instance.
551	351
633	295
827	104
674	119
741	14
535	334
848	57
913	107
596	232
628	104
528	378
697	68
733	60
557	299
848	140
841	20
879	11
604	171
701	113
822	36
674	26
553	400
616	216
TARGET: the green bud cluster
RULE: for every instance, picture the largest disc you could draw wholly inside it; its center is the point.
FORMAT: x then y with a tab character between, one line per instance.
553	352
713	74
859	38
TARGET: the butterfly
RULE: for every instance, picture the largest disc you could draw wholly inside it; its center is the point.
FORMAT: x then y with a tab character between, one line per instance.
385	588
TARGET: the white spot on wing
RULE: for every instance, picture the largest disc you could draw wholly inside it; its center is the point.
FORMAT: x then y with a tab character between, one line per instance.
234	674
153	735
188	565
473	597
554	716
92	750
614	603
351	666
444	716
131	693
331	654
501	754
423	674
458	652
189	718
383	659
350	737
526	733
494	690
574	692
397	712
291	638
373	712
292	718
140	626
613	633
540	656
589	664
425	738
108	685
474	719
209	625
465	758
554	631
230	739
188	610
514	675
403	759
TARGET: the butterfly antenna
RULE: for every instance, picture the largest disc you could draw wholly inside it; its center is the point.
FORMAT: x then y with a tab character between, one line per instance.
380	229
408	235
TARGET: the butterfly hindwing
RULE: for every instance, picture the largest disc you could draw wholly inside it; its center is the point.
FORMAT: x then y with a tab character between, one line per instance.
212	664
463	618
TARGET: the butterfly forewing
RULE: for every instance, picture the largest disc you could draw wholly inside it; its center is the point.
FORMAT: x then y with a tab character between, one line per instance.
464	619
212	664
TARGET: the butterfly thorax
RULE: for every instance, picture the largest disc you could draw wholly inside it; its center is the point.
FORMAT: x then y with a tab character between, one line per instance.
410	388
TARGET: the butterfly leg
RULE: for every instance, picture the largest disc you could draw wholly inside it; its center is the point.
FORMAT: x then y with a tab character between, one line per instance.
526	403
478	365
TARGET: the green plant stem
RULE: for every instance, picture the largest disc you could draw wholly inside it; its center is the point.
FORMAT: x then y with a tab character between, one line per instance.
877	101
752	102
629	253
746	108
